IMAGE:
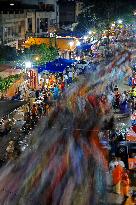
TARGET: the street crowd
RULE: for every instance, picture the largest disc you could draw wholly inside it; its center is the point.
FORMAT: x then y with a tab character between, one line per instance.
40	103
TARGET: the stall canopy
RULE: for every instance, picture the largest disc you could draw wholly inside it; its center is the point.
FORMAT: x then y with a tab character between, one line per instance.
7	70
58	65
87	46
8	106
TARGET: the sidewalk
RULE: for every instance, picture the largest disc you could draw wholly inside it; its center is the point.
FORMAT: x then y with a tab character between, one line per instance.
112	198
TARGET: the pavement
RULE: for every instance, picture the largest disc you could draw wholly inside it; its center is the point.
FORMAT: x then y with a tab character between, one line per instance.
112	198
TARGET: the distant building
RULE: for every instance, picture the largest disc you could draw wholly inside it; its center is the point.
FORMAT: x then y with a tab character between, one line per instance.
69	11
79	7
18	19
12	23
45	17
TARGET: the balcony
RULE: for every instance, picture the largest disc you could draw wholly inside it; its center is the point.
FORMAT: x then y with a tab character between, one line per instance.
11	17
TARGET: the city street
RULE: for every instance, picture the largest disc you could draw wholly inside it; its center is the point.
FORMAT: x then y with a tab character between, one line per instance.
67	102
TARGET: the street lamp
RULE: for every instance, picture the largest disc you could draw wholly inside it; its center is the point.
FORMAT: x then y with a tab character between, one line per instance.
28	64
78	43
85	38
113	25
90	32
119	21
71	43
37	58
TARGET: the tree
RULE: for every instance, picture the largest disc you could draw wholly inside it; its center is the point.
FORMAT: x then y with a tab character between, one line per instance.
5	83
39	54
98	14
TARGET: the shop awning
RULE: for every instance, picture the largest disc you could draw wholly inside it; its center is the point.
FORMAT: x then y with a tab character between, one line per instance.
87	46
59	65
8	106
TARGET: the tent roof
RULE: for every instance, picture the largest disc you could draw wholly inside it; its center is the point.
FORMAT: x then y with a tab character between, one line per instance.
4	67
58	65
8	106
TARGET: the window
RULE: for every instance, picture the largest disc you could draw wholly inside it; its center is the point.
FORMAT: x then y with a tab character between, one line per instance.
16	12
49	7
29	24
44	24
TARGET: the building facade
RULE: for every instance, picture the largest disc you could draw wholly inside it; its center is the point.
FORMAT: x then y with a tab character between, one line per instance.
79	8
12	26
69	11
44	18
17	20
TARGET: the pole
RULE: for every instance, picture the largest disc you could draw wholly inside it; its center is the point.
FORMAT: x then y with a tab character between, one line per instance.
108	39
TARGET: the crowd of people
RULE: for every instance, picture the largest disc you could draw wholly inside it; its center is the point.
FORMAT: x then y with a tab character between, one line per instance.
121	180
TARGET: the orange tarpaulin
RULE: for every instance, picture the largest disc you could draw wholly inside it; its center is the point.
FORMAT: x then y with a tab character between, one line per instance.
62	43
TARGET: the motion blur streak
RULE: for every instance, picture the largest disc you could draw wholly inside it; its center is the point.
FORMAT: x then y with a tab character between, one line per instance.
66	163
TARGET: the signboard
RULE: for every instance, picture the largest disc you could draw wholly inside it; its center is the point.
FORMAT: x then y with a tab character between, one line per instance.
131	135
33	79
132	163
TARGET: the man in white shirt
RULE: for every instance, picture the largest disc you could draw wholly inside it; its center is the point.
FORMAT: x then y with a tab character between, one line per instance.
120	162
70	75
65	78
113	163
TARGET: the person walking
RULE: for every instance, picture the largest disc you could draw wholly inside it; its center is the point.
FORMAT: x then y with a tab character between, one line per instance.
117	100
70	76
10	150
131	200
125	182
117	176
120	162
55	92
113	163
62	86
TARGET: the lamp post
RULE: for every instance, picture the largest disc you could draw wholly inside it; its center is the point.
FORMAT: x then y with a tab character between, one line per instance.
28	65
71	44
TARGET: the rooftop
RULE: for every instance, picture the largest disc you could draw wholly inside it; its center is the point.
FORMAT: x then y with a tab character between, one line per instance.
6	5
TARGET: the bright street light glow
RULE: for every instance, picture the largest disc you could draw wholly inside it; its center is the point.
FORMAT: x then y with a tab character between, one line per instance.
78	43
12	4
90	32
28	64
113	24
119	21
71	43
37	58
85	37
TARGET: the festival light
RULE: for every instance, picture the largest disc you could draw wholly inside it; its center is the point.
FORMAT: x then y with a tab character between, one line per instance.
113	25
37	58
90	32
119	21
85	38
71	43
78	43
28	64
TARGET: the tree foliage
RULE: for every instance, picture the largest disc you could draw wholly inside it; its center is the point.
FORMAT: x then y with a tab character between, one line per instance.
40	54
5	83
97	14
